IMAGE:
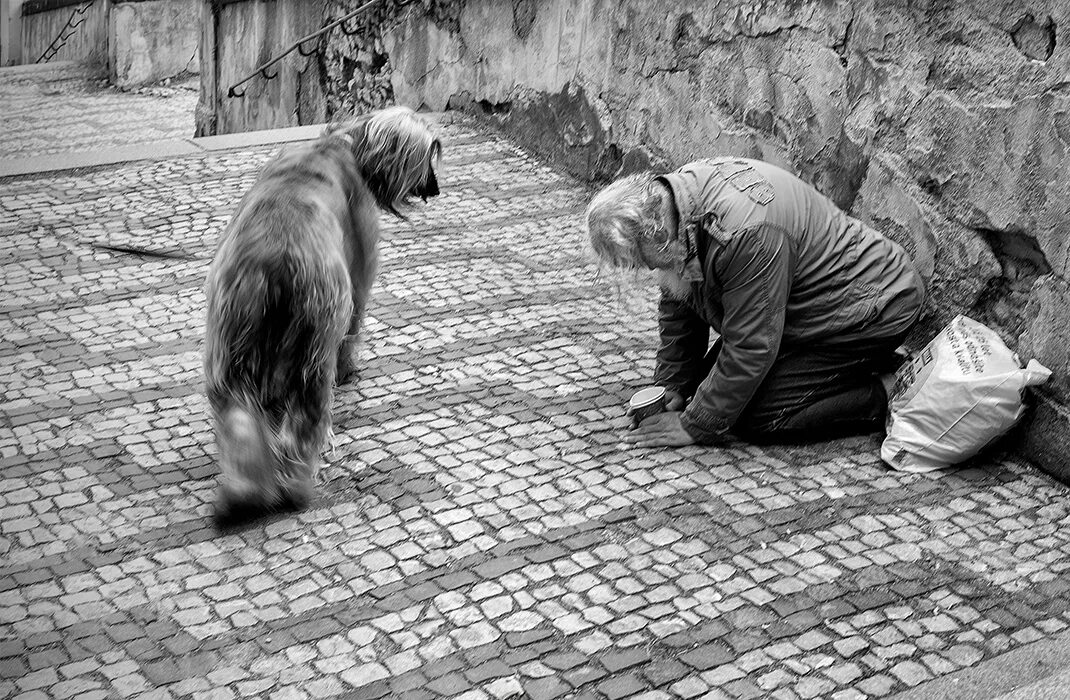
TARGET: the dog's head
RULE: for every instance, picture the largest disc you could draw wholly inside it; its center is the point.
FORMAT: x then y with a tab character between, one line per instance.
396	154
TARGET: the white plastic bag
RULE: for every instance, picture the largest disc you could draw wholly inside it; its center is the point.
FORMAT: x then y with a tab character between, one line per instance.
955	397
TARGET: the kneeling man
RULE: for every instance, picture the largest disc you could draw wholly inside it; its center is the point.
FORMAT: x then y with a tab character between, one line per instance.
809	304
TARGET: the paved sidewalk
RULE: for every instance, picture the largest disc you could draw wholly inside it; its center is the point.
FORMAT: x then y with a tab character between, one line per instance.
480	532
63	107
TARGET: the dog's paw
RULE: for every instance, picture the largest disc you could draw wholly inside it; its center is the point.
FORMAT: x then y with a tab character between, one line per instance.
232	515
347	368
296	494
347	375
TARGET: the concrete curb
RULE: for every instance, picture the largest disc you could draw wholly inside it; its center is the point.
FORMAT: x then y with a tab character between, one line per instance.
1037	670
159	150
51	67
156	150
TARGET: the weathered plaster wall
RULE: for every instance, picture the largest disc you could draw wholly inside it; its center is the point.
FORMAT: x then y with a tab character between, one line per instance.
944	123
151	40
237	38
88	44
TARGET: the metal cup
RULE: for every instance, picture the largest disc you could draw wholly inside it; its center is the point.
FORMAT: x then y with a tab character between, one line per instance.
645	403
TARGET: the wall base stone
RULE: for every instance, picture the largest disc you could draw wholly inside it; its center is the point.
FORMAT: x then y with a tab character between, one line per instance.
563	128
1043	437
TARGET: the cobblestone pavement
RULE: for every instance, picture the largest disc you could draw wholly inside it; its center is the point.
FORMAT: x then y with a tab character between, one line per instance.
67	108
481	533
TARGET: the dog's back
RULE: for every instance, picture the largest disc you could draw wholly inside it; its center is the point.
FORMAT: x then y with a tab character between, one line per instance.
279	305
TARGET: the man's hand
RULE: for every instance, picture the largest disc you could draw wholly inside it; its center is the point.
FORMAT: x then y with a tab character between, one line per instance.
674	401
660	430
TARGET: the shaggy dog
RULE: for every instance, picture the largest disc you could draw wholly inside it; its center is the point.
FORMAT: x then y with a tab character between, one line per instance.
286	294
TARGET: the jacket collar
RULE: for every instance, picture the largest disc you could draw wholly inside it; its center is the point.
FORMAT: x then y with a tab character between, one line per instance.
688	227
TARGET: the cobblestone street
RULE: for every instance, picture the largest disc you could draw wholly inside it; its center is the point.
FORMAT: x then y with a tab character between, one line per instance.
480	532
67	108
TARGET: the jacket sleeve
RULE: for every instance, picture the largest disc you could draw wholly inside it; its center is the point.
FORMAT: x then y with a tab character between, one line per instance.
684	338
754	268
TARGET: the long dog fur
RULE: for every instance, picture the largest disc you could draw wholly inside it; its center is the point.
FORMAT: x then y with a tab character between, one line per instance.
286	294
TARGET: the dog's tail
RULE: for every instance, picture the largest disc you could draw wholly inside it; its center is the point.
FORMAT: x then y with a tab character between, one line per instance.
278	321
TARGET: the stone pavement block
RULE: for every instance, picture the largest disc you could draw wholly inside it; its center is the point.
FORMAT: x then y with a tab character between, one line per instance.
814	687
615	662
488	671
664	672
689	688
707	656
565	661
505	688
621	686
910	672
878	685
742	688
370	691
522	639
448	684
545	688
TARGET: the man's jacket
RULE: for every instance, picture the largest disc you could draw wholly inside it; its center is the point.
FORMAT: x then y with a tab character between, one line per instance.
771	262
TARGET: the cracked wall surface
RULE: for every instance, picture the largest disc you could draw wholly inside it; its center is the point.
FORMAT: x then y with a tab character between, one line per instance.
944	123
151	40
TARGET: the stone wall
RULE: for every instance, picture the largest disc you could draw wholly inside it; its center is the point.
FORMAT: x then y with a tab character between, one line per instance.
944	123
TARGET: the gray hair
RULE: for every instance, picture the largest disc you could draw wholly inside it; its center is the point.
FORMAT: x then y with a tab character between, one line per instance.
618	219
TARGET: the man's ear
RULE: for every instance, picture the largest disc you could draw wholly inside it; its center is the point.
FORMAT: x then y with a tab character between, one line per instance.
663	238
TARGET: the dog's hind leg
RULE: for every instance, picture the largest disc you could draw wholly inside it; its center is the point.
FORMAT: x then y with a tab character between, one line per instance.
248	463
301	435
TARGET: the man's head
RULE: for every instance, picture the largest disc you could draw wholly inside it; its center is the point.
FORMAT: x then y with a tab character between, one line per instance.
627	227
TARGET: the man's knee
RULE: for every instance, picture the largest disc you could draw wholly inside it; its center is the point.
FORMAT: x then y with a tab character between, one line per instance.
856	410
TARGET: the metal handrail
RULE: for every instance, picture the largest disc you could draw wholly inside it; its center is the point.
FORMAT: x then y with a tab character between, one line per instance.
61	39
299	46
